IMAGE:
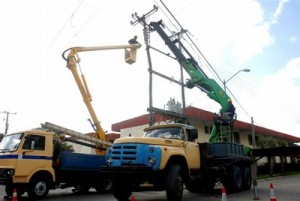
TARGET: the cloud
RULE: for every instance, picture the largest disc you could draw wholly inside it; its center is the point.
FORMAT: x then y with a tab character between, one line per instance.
294	39
232	30
278	104
278	11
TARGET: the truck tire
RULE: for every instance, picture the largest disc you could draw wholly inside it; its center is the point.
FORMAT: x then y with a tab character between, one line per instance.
104	186
247	179
236	179
38	187
122	187
174	183
9	190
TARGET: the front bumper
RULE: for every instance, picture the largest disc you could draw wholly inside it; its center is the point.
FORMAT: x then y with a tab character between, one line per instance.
128	169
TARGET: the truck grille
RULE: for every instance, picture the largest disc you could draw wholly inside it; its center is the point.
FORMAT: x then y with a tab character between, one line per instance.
124	152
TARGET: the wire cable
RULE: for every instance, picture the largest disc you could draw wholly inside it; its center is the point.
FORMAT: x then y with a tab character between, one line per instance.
83	26
65	24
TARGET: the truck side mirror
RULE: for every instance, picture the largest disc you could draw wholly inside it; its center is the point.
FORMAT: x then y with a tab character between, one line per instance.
192	134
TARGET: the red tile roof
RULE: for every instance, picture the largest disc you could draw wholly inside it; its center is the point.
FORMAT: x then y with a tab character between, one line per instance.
202	115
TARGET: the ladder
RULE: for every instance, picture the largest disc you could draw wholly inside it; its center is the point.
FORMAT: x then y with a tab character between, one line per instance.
225	133
62	130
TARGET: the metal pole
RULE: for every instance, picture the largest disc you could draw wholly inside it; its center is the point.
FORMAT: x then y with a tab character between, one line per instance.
181	77
254	164
253	133
147	41
254	178
224	83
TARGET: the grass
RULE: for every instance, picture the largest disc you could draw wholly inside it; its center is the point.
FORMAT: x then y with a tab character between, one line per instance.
267	176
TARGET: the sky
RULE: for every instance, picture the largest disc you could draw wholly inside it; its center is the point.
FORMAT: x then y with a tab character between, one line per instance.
36	86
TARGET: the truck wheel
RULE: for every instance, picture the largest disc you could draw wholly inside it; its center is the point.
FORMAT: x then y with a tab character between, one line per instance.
174	183
104	186
38	187
122	187
237	179
9	190
247	179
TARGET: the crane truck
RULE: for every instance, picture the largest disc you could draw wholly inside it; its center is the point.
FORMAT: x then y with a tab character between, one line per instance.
32	161
168	157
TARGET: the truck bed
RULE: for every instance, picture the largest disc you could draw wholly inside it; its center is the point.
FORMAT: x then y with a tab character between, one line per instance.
220	149
222	154
78	161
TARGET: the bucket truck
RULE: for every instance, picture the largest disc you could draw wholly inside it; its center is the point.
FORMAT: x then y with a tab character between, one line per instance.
32	161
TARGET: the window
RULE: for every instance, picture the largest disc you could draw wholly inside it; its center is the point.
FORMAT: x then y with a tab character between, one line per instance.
208	129
250	139
10	142
172	132
35	142
236	137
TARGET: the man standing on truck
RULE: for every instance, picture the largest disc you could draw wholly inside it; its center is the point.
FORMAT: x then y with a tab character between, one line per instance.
229	113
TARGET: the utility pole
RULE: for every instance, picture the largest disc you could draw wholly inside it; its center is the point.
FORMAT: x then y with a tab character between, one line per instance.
179	35
254	163
6	120
142	21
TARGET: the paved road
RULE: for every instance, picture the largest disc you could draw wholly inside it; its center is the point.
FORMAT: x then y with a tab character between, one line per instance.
285	188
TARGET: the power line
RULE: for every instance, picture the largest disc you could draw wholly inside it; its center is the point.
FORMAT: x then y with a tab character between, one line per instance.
82	27
65	24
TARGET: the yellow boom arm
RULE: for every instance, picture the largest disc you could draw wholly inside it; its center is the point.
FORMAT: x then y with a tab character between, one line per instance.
72	60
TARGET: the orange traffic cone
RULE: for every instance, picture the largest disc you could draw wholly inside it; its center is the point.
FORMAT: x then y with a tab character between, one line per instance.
132	198
272	194
224	196
14	196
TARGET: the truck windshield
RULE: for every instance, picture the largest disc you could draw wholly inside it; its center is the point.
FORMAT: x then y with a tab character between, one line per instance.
171	132
10	142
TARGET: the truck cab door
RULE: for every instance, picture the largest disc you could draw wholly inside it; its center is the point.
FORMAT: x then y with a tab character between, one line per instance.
32	155
192	149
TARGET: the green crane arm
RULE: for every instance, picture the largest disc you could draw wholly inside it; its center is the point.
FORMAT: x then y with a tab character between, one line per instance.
207	85
197	76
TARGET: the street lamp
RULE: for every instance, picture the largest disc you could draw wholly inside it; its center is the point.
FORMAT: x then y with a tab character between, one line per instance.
243	70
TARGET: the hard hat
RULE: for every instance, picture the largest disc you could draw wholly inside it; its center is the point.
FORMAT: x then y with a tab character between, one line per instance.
229	100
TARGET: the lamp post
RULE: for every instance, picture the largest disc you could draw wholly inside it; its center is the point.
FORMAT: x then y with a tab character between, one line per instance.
243	70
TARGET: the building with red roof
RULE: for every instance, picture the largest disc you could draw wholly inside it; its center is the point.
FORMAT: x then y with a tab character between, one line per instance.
203	121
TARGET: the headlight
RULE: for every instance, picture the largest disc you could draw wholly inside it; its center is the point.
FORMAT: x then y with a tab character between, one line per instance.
10	172
108	161
108	151
151	160
7	172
